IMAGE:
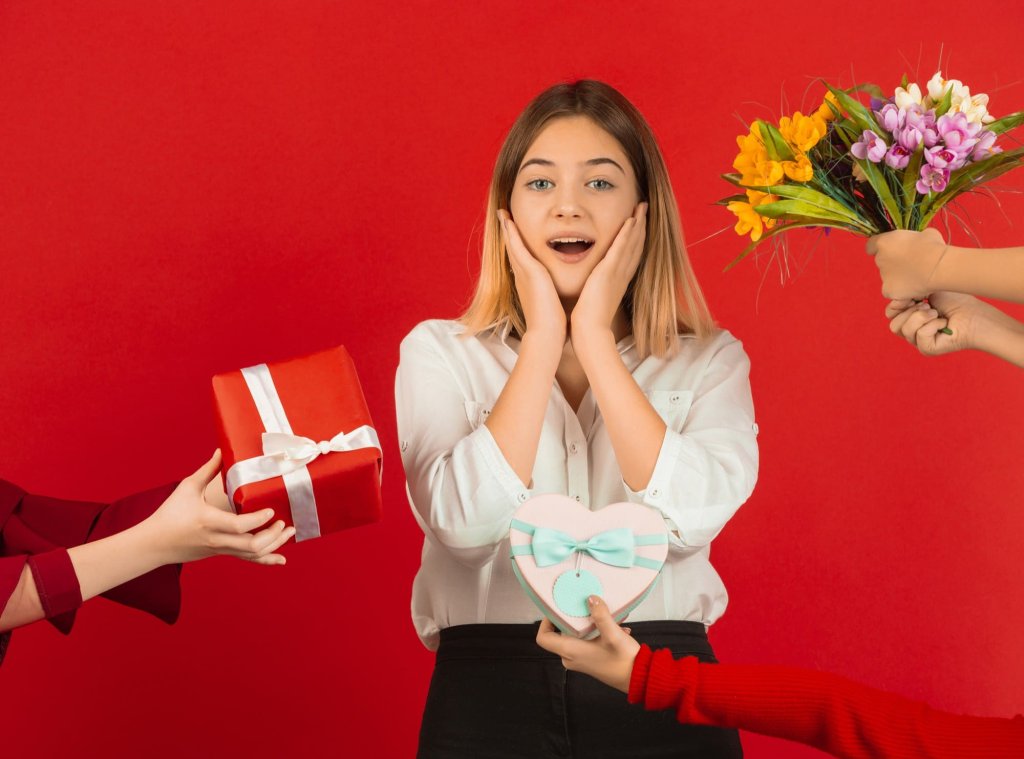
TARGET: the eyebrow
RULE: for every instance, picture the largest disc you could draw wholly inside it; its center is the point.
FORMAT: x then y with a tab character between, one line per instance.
592	162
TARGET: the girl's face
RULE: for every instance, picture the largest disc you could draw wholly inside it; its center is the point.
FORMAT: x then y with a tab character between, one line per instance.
574	190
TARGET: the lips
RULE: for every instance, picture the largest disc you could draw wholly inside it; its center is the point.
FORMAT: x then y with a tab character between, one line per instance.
570	247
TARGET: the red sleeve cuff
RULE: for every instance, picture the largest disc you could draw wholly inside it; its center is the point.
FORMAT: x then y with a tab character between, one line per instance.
638	678
56	582
157	592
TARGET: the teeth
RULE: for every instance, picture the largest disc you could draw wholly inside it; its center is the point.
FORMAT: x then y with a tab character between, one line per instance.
570	239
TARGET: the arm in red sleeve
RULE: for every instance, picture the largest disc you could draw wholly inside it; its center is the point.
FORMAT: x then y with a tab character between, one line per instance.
819	709
32	525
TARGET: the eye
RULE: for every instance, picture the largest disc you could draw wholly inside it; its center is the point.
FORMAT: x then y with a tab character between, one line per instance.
539	184
600	184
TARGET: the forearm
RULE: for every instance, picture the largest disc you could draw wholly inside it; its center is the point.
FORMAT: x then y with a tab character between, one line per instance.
634	427
112	561
516	420
1004	339
988	273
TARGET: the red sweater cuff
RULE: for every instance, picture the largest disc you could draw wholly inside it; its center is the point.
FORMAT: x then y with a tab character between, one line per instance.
56	582
638	677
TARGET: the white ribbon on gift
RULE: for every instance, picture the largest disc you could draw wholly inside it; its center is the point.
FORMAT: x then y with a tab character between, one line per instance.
287	455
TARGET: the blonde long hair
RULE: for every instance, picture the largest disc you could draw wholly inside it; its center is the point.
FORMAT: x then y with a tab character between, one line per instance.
663	300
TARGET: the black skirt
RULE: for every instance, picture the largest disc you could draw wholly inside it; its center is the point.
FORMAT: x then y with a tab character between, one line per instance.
496	693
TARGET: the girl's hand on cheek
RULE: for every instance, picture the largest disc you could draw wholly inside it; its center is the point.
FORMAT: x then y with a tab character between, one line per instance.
607	283
541	305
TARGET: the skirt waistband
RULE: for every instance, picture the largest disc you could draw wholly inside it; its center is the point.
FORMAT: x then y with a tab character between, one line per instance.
520	641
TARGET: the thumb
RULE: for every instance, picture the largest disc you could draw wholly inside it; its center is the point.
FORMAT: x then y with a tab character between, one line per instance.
871	246
934	234
602	617
202	476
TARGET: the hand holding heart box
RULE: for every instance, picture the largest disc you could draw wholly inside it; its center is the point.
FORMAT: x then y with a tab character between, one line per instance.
562	553
296	436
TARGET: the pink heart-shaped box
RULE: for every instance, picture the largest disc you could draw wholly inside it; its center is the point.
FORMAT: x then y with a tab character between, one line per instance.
588	539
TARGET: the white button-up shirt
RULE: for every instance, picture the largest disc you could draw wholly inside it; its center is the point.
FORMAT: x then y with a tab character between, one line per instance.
463	492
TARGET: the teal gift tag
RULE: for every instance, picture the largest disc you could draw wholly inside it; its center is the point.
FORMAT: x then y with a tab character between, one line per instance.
572	589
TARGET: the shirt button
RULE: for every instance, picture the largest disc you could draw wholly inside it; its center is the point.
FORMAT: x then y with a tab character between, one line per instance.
578	499
674	398
755	428
521	497
574	448
655	493
405	445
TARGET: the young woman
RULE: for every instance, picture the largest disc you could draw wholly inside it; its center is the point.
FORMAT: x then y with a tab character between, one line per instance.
588	365
55	554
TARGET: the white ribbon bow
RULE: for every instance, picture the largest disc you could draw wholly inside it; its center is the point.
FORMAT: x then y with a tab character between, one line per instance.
295	451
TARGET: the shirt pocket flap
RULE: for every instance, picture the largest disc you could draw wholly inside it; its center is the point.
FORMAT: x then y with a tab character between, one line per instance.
477	412
672	406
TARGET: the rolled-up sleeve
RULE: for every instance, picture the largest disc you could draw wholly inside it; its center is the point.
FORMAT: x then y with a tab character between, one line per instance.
707	464
462	490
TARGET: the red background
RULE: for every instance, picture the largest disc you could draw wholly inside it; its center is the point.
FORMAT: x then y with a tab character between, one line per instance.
196	186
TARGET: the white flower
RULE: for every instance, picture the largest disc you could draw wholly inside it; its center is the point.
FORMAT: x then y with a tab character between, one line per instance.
907	97
975	108
937	88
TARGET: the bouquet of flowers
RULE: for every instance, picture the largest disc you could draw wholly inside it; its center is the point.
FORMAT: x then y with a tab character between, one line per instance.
868	169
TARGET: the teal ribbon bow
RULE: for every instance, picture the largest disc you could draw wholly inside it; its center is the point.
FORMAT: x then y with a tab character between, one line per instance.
613	547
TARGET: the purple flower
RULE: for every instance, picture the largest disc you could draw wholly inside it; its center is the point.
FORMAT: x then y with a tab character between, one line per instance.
942	157
924	122
898	156
891	118
909	138
877	103
932	179
986	147
869	146
958	134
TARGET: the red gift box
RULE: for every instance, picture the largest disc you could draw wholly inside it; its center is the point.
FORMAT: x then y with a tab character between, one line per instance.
296	436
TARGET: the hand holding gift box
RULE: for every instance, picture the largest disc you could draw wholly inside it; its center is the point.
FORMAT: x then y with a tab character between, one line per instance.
297	437
562	553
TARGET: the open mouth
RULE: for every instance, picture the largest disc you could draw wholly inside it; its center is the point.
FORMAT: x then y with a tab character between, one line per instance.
570	246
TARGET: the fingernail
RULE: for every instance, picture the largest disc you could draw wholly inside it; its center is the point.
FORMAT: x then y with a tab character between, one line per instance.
591	600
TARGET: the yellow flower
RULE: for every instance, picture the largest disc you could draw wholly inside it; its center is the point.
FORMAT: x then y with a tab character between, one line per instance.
824	112
749	220
799	170
802	132
757	198
752	162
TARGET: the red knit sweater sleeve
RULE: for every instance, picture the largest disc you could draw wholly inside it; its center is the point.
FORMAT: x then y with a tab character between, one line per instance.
822	710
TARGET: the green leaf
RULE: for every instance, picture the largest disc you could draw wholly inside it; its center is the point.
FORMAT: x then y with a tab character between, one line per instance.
872	89
774	143
945	103
910	177
1006	123
856	111
731	199
784	209
879	183
814	198
733	179
904	83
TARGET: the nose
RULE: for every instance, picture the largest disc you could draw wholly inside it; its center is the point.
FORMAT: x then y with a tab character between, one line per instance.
566	204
